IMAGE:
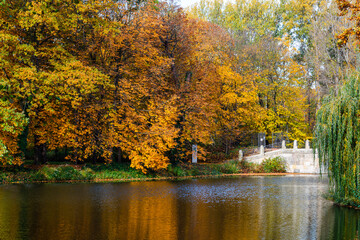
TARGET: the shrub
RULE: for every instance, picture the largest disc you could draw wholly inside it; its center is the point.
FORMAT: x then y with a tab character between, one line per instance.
87	174
45	173
176	171
67	173
230	167
251	167
63	173
195	171
274	165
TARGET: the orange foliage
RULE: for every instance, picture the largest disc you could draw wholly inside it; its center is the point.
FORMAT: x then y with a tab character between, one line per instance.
95	77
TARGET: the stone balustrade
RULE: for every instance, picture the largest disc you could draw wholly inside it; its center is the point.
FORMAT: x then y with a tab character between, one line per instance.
298	160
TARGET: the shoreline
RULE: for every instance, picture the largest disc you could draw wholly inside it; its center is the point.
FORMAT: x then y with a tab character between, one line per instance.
119	180
344	205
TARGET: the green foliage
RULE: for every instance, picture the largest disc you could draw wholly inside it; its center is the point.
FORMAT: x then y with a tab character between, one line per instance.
230	167
205	169
115	171
176	171
274	165
87	173
249	167
338	140
197	171
351	201
67	173
108	174
3	177
62	173
123	171
45	173
12	123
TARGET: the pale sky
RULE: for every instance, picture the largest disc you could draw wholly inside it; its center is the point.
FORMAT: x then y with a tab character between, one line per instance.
186	3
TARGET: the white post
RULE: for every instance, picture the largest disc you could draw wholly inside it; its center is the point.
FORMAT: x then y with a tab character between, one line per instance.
241	155
295	144
283	144
262	150
262	141
307	144
194	153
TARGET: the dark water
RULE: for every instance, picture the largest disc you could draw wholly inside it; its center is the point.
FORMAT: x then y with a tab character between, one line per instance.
234	208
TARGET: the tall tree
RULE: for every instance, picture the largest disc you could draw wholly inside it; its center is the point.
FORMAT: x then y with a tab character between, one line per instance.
337	138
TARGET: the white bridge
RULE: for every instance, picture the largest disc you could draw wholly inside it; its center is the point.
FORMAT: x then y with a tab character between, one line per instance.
298	160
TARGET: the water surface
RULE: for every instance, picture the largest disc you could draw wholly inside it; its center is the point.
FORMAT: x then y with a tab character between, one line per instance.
281	207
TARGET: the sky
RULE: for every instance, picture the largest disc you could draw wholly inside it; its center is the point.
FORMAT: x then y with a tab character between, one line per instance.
187	3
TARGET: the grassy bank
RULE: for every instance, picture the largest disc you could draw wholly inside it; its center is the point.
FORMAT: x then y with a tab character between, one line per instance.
123	172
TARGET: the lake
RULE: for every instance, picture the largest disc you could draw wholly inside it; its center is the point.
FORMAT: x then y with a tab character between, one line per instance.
277	207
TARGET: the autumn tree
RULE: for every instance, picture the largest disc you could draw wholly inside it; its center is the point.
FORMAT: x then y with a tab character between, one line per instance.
265	51
350	10
214	100
237	114
142	81
35	57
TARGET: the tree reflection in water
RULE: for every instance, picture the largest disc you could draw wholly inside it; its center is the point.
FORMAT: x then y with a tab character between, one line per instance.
233	208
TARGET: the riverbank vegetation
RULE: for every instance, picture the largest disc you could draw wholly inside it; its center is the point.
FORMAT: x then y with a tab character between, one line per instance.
123	172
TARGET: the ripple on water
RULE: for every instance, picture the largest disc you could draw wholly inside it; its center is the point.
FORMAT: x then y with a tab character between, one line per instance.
281	207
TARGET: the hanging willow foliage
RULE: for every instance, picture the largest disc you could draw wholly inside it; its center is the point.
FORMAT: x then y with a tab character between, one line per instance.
337	135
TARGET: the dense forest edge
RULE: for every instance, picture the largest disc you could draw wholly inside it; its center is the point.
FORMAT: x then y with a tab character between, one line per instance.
137	83
122	172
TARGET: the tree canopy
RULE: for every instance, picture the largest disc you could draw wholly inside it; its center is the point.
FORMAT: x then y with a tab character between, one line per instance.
142	81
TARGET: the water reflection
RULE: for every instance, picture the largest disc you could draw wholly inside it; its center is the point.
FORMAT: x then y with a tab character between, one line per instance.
235	208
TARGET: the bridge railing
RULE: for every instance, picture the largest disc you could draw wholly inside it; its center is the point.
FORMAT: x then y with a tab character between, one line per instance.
270	147
256	150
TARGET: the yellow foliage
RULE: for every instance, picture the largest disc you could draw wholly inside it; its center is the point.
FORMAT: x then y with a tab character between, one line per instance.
98	77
